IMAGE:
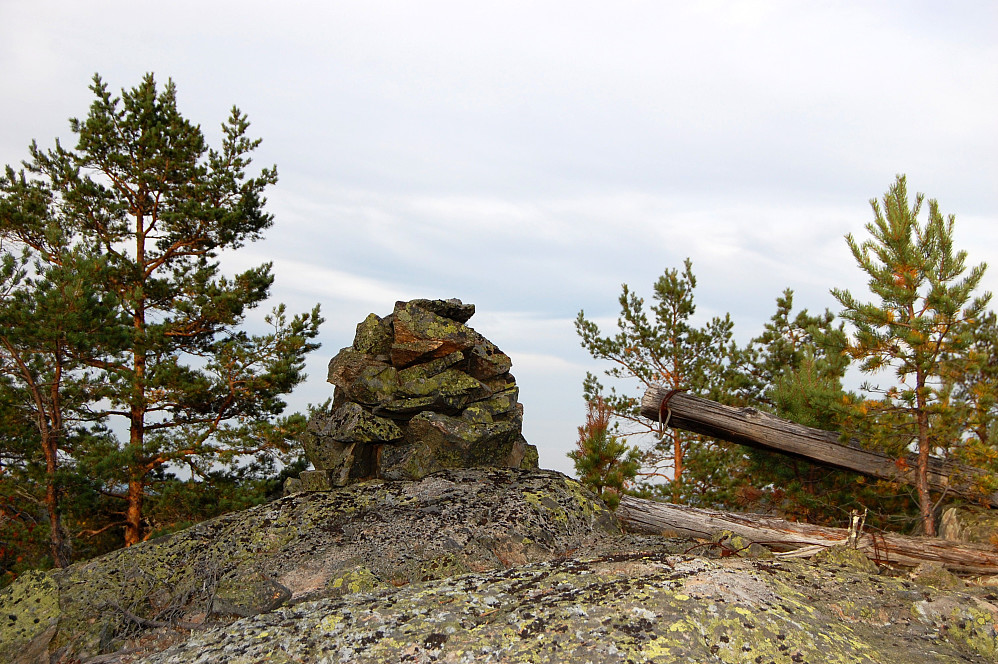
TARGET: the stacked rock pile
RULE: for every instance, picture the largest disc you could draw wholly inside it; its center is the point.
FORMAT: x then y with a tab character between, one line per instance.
417	392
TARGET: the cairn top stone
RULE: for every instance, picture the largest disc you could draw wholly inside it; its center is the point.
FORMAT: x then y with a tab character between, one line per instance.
452	308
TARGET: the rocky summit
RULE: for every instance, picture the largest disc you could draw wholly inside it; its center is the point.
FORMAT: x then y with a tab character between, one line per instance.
417	392
479	565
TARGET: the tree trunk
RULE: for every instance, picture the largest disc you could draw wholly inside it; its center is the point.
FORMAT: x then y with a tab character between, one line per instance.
678	468
924	498
133	512
57	542
651	517
748	426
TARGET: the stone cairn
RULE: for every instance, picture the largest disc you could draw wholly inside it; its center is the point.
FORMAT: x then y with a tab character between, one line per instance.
417	392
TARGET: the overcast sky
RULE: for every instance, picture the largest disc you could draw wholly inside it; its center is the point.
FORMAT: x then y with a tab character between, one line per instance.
530	157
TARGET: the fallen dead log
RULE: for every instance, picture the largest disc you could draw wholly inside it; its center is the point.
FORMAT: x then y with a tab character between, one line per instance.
652	517
748	426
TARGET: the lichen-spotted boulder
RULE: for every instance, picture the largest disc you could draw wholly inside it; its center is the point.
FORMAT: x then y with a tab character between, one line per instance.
364	537
627	607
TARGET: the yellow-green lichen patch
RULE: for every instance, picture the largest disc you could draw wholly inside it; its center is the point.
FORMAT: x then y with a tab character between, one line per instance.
354	580
975	628
29	612
545	503
584	498
969	623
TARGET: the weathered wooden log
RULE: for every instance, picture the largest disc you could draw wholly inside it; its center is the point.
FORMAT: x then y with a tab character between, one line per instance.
651	517
748	426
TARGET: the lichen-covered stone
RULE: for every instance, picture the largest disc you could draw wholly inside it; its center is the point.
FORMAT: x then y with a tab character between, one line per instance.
366	536
451	442
321	480
374	337
974	525
487	361
29	612
452	308
247	593
845	556
429	369
448	392
531	459
348	364
327	453
486	565
935	575
968	622
374	385
422	335
502	405
350	423
651	606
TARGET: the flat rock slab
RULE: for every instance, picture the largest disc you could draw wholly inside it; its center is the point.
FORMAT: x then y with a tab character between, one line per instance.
654	606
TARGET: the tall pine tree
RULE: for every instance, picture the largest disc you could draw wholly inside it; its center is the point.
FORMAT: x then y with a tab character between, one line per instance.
144	197
922	314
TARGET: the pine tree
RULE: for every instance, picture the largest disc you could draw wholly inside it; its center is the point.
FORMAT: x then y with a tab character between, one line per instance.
970	387
795	369
49	316
670	351
146	200
922	314
602	460
786	345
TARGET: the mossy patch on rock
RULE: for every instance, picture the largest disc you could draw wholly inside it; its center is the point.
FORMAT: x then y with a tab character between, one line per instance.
30	612
845	556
